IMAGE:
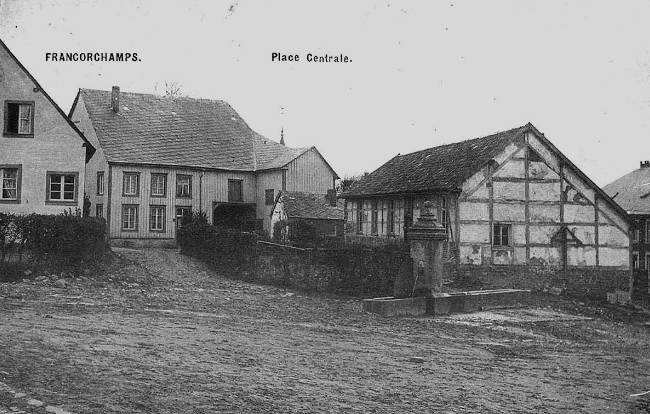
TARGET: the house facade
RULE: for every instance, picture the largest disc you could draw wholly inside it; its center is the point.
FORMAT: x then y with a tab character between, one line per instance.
43	155
632	192
159	159
518	213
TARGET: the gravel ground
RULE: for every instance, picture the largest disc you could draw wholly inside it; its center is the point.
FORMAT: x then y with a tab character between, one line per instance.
162	333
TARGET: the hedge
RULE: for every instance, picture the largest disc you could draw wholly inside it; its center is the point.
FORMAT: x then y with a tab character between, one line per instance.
220	247
64	239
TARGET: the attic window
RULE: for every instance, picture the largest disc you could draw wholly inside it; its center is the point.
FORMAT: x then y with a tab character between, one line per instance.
19	119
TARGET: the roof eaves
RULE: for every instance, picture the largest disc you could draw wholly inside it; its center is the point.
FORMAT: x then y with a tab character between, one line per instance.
401	193
184	166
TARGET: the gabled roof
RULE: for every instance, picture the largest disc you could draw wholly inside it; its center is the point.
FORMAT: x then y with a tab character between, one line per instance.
309	206
188	132
271	154
447	167
90	149
632	191
442	168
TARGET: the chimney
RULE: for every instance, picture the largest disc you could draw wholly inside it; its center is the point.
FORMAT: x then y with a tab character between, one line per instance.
644	164
282	136
331	197
115	99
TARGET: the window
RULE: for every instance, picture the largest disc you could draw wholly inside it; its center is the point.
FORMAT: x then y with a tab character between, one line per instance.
374	217
100	182
359	216
131	184
443	212
62	187
636	232
635	260
129	217
269	196
390	216
647	260
19	119
9	183
157	218
99	210
647	231
158	185
235	190
500	237
183	185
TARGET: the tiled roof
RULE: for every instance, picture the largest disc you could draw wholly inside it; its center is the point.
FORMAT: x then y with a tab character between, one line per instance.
632	191
445	167
271	154
310	206
150	129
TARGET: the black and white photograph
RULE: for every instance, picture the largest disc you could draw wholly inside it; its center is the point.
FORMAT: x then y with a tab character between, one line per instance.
286	206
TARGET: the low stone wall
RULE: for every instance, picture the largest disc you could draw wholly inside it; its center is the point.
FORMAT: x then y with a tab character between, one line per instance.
357	272
391	307
478	300
140	243
592	282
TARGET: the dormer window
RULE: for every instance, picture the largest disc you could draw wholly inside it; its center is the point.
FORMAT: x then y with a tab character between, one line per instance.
19	119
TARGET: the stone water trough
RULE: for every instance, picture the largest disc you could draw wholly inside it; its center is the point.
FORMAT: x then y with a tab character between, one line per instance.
425	239
446	303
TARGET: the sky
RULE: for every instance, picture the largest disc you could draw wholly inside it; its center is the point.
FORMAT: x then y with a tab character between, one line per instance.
423	73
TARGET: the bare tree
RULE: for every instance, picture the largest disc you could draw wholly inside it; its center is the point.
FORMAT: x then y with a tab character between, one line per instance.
172	90
347	181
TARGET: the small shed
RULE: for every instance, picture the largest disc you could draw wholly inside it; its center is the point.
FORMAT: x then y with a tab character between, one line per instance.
323	211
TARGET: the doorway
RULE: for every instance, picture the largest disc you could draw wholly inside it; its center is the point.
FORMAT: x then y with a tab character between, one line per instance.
234	216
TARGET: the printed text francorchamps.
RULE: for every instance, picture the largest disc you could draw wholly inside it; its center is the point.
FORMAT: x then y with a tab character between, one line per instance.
92	57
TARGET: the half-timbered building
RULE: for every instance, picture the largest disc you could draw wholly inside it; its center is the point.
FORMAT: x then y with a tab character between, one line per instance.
517	212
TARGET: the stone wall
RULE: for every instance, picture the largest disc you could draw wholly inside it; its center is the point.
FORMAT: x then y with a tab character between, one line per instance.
355	271
366	272
593	282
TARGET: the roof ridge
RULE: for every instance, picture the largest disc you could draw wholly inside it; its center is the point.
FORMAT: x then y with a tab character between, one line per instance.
523	127
162	97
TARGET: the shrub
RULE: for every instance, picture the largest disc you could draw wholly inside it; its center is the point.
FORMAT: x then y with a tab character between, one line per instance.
218	246
62	240
280	231
297	232
68	238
